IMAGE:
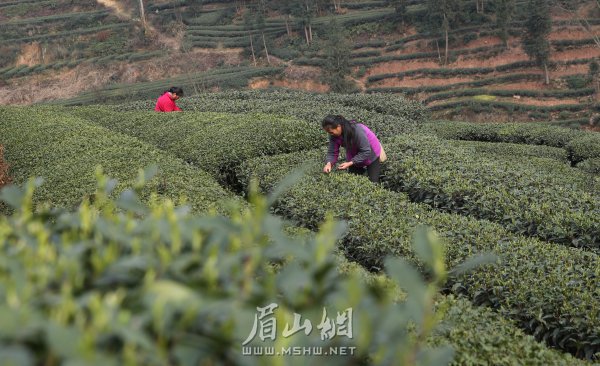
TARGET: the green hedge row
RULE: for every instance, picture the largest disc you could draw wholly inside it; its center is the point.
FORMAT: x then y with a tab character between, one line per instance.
70	33
535	197
213	142
471	70
510	150
424	55
586	146
366	5
510	107
509	93
478	335
550	290
387	115
210	32
367	44
591	166
481	337
84	15
64	150
579	144
474	83
23	70
232	77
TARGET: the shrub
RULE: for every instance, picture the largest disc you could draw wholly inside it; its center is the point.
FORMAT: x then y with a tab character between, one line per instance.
514	192
586	146
591	166
576	81
550	290
508	150
213	142
386	115
519	133
109	287
64	150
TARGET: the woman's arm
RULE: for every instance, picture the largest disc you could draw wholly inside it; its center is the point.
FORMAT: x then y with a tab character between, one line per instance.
333	151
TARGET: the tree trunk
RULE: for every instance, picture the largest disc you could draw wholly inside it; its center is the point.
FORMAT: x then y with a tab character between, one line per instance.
266	51
287	26
306	35
252	49
310	32
482	6
446	53
547	77
437	45
477	6
142	15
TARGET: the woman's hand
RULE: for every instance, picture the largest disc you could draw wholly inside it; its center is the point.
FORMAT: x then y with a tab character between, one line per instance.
327	168
345	165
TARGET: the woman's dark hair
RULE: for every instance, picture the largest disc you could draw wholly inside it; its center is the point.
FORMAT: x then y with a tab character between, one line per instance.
348	132
175	90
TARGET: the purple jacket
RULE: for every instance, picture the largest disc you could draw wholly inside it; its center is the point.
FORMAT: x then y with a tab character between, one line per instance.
364	154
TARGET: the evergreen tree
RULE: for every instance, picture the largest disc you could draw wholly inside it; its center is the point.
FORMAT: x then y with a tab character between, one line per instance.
400	15
535	40
504	14
337	64
442	16
249	26
304	11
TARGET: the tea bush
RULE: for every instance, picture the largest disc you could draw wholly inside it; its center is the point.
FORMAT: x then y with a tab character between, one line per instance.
533	197
549	290
102	285
387	115
64	151
213	142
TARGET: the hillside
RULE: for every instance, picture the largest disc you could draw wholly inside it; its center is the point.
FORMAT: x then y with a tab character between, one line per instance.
78	52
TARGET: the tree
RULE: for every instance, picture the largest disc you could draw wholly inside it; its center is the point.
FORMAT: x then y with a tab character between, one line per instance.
535	40
399	10
261	14
142	14
255	26
304	11
479	6
571	9
442	16
249	26
337	5
504	13
337	63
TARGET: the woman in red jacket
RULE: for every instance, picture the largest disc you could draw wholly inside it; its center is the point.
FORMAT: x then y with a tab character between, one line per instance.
166	102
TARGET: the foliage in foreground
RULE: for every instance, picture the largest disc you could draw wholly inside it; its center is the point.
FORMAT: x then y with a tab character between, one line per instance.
119	282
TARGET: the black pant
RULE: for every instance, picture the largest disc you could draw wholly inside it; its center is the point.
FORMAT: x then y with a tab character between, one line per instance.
373	170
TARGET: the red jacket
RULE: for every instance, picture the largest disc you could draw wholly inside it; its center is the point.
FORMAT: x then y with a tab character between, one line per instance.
166	104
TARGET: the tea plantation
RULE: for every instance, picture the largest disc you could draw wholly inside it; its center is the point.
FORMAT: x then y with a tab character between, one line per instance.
163	254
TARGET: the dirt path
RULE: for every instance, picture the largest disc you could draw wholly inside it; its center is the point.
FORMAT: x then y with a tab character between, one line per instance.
118	8
539	102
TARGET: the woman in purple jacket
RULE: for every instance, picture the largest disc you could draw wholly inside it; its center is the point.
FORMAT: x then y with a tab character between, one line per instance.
362	147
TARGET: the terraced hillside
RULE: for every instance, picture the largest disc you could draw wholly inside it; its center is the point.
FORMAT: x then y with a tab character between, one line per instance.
99	50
